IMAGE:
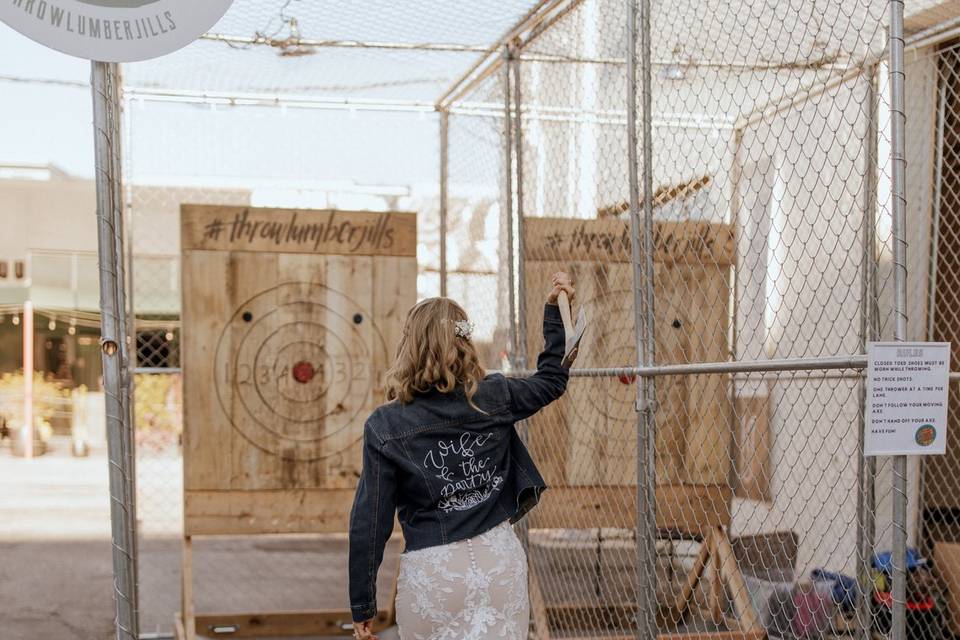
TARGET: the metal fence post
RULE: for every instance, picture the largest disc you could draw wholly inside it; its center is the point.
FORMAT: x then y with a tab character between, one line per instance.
869	331
898	192
106	115
641	259
444	195
521	273
508	205
128	354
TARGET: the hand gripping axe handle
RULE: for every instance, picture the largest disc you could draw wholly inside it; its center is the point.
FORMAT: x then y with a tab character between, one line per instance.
573	334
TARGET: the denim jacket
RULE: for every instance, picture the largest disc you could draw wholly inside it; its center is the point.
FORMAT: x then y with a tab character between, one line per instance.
450	472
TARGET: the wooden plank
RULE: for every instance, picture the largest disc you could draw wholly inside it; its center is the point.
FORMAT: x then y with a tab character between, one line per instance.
749	621
267	511
255	444
579	617
586	401
946	559
707	456
608	240
304	327
614	342
178	631
692	509
204	462
355	233
330	622
538	607
186	589
672	345
753	447
349	398
716	582
690	583
394	293
550	429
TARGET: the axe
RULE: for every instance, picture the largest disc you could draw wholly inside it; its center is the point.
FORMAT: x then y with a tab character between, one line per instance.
572	333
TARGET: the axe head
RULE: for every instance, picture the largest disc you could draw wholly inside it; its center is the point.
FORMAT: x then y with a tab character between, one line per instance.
573	341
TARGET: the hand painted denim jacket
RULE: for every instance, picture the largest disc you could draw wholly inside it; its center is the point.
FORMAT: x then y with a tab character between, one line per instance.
450	472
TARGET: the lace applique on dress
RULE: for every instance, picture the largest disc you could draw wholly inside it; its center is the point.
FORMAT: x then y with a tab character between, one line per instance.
473	589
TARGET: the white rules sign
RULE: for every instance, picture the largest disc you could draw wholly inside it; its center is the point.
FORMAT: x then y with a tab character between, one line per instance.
907	398
113	30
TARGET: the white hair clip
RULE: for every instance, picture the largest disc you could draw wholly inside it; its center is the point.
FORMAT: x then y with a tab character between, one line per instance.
463	328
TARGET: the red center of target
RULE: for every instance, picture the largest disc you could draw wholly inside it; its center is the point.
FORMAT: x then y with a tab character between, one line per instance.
303	372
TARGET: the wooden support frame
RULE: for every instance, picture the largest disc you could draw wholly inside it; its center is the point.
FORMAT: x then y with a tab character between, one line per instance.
285	338
278	623
189	625
715	558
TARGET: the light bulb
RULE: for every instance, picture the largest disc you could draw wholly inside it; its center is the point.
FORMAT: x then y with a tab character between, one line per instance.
169	336
16	319
72	331
52	325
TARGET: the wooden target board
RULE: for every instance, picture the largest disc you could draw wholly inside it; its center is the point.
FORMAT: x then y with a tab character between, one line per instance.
586	442
290	319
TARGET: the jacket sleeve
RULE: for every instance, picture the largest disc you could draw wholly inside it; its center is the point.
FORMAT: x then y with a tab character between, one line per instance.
529	395
371	523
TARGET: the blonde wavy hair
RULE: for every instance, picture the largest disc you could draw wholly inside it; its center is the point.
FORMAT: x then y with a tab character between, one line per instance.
432	355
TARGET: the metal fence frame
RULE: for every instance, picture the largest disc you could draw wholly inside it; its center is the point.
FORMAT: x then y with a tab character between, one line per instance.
640	115
117	366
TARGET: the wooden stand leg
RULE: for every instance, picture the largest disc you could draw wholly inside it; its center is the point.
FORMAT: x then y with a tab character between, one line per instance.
186	593
693	577
538	606
730	573
716	579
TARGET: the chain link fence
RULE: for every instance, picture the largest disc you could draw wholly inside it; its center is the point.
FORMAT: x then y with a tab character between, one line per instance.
767	190
718	180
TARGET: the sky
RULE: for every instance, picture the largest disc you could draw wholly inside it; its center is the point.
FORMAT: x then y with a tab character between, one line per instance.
41	123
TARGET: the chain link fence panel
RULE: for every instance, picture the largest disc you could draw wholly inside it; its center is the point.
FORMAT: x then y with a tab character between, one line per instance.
770	204
705	465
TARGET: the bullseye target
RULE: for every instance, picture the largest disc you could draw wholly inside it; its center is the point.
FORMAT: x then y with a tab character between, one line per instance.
609	399
295	368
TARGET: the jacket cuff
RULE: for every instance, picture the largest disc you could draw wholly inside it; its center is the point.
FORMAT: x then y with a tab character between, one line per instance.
551	314
361	612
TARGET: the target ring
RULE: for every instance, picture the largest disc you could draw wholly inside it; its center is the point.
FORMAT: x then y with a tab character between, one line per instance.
293	370
611	398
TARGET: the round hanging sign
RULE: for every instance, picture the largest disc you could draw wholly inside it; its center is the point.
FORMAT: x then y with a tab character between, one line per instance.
113	30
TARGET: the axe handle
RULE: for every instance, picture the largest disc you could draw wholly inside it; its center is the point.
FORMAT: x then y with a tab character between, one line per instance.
564	305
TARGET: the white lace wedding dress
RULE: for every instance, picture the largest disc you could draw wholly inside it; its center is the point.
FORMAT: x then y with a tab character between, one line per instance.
474	589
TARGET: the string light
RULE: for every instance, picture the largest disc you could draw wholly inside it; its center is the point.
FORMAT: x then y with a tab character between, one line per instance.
16	319
72	330
52	325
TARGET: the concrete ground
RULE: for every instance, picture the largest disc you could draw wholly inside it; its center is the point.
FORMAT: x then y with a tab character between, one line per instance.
56	579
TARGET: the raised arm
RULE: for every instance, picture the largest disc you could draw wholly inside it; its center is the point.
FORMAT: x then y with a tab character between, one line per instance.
529	395
371	523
